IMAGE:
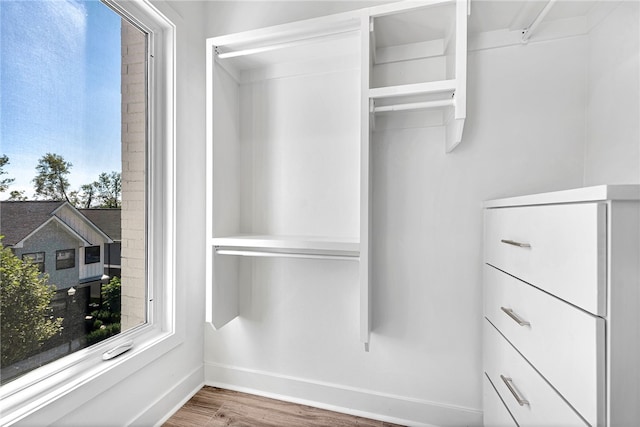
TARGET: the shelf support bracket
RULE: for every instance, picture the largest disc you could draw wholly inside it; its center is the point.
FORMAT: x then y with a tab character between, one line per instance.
528	32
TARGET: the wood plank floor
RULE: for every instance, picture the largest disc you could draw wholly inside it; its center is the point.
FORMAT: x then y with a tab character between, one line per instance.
215	407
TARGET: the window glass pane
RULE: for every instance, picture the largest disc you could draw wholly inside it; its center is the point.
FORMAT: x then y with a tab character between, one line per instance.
92	254
72	179
35	258
65	259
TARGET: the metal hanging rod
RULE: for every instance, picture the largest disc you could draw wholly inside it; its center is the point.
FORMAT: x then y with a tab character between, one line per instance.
528	32
414	106
252	253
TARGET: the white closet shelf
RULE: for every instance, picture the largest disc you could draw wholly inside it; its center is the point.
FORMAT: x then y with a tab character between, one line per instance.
287	246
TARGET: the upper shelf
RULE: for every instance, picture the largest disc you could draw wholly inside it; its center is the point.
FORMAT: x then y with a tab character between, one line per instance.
334	36
416	48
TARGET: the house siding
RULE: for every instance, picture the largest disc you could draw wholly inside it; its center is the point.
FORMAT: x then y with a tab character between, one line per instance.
80	224
49	239
90	271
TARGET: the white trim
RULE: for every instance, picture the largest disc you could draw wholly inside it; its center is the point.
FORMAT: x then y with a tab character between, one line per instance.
112	266
181	392
64	385
71	231
82	218
340	398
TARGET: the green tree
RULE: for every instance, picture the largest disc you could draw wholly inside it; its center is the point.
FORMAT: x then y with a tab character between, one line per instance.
16	195
51	182
108	189
85	197
107	319
25	312
4	182
104	193
111	293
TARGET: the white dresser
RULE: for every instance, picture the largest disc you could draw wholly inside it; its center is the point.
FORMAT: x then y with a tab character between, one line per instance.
562	308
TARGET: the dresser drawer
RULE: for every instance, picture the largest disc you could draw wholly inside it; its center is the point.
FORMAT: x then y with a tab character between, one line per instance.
565	344
514	379
495	414
558	248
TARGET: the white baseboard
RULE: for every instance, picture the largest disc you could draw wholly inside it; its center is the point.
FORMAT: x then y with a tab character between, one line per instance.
335	397
165	406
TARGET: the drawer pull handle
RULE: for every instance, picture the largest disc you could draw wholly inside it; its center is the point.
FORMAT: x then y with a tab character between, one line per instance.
514	243
515	317
509	383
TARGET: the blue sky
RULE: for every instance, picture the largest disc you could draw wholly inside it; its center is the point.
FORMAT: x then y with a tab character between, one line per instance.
60	88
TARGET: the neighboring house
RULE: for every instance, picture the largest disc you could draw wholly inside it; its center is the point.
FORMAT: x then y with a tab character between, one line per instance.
109	221
63	242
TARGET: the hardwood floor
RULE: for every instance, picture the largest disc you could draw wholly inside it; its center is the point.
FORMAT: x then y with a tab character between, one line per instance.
215	407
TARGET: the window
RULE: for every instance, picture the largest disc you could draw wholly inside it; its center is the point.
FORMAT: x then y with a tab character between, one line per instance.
147	207
36	258
65	258
91	254
99	131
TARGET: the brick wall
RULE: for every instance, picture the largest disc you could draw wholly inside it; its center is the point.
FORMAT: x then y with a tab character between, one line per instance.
133	175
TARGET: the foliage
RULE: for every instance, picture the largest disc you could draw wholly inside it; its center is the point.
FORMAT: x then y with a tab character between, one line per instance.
106	316
4	182
103	193
107	319
17	196
108	189
51	182
25	313
102	333
85	197
111	295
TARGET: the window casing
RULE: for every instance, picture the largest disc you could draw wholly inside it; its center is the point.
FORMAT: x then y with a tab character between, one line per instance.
36	258
65	258
84	373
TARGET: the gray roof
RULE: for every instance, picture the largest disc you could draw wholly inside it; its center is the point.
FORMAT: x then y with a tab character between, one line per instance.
108	220
18	219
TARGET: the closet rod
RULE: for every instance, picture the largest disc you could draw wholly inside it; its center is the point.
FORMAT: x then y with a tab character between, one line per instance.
528	32
284	45
285	254
415	106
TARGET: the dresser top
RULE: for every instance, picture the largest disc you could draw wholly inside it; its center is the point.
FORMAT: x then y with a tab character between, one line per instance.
577	195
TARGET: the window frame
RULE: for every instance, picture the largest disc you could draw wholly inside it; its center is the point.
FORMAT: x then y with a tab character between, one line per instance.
86	256
84	373
65	261
38	263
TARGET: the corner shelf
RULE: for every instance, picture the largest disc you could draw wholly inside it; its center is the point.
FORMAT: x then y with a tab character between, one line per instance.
418	62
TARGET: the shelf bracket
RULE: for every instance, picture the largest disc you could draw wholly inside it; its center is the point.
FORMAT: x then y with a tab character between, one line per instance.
528	32
373	48
372	111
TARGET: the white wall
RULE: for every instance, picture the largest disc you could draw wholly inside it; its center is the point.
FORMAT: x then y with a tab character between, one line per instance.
152	392
297	334
612	153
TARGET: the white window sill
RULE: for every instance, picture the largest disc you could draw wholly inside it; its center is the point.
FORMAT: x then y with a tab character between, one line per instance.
83	373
